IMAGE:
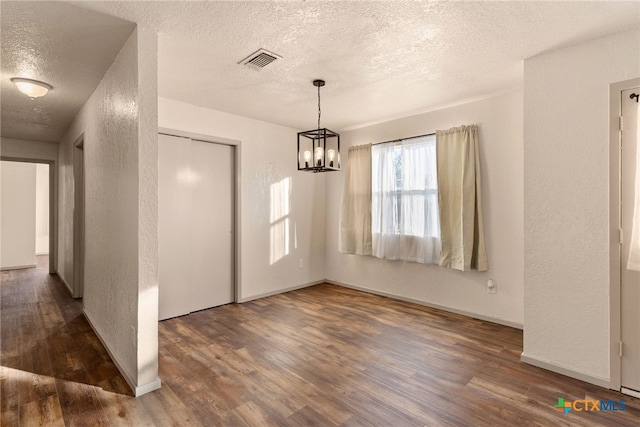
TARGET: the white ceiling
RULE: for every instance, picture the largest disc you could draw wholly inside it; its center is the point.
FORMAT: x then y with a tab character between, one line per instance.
68	47
380	59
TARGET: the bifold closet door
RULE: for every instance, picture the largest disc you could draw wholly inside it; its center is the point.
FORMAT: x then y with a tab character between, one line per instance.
212	219
174	225
196	224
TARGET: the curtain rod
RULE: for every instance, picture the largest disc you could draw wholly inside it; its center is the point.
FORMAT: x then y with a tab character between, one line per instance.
400	139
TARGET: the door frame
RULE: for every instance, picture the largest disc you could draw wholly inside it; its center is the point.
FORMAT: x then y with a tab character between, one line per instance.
53	205
79	217
615	141
237	225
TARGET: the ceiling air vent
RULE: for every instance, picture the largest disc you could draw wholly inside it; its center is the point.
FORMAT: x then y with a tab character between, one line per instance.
259	59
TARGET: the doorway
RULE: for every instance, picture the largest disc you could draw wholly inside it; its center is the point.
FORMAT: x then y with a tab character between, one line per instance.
625	283
78	219
27	239
196	216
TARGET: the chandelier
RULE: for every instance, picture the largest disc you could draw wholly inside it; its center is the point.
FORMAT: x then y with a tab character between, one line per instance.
318	149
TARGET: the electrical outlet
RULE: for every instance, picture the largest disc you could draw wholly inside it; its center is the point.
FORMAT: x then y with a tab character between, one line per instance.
300	263
492	286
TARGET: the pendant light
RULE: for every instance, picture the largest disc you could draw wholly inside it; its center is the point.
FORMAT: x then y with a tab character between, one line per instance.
318	149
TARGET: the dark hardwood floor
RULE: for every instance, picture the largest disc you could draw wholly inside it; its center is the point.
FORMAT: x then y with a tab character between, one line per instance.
324	355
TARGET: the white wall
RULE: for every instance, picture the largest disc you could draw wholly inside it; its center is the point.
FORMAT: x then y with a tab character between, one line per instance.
18	215
500	125
42	209
566	196
267	159
119	124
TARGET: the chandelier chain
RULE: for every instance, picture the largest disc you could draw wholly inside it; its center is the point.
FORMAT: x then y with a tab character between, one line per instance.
319	111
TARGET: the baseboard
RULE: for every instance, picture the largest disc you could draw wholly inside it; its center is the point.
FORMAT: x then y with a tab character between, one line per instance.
137	390
428	304
147	388
17	267
630	392
281	291
64	282
549	366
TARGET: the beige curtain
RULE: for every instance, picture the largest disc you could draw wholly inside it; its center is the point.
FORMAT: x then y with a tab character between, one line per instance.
633	263
461	224
355	212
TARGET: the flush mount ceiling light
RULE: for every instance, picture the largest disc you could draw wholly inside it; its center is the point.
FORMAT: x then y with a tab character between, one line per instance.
31	88
318	149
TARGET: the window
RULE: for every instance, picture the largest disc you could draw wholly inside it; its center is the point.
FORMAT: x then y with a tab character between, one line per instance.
395	192
405	219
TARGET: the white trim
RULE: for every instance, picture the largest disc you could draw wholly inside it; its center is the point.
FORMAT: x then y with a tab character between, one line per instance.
137	390
630	392
615	313
17	267
562	370
197	136
237	194
53	217
428	304
65	283
115	360
53	202
147	388
282	291
78	216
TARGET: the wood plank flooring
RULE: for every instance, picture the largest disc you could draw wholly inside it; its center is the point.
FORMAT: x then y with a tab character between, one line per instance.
324	355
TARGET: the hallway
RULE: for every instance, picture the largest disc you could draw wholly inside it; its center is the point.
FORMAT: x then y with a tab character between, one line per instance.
54	370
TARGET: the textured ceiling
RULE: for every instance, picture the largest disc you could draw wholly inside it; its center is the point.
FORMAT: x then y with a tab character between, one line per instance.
68	47
380	59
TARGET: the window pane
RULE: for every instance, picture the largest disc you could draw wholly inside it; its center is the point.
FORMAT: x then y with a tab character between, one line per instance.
404	185
405	217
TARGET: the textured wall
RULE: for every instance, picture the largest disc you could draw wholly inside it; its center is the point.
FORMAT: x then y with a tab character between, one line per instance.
500	124
120	225
566	196
147	76
24	149
267	160
18	213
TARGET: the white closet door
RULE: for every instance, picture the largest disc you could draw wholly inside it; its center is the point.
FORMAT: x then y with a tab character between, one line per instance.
212	218
174	224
